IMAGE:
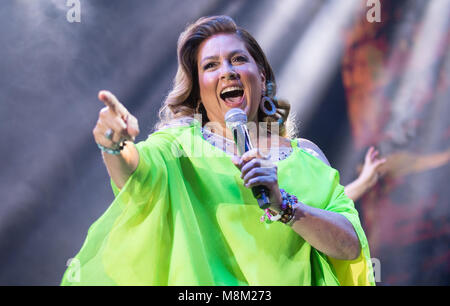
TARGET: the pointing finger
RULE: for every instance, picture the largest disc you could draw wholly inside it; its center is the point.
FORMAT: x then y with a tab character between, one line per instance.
104	96
112	102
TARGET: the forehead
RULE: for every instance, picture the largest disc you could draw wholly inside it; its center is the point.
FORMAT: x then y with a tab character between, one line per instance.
220	44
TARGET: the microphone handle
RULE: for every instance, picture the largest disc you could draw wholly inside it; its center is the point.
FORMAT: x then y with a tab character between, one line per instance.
261	193
242	140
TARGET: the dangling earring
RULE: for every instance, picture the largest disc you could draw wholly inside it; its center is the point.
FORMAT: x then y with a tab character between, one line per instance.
266	99
262	105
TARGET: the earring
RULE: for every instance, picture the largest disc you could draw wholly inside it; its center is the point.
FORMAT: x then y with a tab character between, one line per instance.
270	89
262	105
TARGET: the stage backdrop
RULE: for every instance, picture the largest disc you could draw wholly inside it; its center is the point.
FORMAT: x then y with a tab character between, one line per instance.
397	77
352	82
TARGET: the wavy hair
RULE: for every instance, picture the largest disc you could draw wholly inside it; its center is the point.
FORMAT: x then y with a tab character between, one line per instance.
183	99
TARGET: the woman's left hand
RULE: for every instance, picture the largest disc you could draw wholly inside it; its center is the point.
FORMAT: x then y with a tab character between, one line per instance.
257	169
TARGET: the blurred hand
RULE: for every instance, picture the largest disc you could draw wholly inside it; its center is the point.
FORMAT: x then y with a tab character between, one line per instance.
115	117
370	171
257	169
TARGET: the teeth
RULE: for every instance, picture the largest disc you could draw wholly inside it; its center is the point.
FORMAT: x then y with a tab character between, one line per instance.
232	88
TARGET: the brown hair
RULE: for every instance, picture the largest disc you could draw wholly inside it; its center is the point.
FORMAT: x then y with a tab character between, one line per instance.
183	99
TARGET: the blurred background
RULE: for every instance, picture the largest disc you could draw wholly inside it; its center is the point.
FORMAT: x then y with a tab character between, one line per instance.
355	77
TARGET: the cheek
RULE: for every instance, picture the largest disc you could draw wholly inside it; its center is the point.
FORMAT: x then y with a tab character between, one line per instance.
207	83
253	77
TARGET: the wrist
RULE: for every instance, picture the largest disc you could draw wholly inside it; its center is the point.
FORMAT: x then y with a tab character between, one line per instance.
112	151
283	210
288	205
362	182
277	201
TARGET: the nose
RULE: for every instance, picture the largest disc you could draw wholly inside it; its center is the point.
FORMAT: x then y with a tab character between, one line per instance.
228	72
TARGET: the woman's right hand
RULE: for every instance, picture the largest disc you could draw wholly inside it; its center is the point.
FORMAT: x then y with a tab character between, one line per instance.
116	118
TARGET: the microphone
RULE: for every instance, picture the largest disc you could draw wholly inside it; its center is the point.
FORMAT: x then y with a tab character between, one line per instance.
236	121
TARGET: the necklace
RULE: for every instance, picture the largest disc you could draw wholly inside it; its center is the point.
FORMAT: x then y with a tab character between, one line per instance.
228	146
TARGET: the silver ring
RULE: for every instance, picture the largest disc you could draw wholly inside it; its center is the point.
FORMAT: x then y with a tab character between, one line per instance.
109	134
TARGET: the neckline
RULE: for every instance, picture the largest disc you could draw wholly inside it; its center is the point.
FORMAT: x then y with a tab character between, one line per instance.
199	132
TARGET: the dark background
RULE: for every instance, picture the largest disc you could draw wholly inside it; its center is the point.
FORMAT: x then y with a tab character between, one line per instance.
53	182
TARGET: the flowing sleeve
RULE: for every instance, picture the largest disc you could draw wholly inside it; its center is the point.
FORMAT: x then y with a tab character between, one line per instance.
151	168
350	272
145	199
133	234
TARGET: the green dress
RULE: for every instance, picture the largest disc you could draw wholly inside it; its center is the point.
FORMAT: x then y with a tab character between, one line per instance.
184	217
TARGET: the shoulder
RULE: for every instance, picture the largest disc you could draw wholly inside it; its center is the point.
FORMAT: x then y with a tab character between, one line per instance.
160	141
312	149
170	134
174	141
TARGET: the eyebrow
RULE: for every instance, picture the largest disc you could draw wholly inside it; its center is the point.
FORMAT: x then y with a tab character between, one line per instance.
216	57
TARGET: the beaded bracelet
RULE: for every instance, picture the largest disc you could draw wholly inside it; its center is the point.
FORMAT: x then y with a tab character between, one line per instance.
112	151
288	205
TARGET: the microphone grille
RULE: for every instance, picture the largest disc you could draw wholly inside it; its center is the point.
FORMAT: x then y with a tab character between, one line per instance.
235	116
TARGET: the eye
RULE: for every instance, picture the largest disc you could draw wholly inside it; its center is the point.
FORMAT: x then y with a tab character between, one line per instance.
239	59
208	66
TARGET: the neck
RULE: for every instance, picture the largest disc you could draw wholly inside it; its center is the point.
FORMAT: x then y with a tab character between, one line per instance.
219	128
259	136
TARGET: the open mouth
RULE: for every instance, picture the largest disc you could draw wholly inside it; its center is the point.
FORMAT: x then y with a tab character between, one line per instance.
232	95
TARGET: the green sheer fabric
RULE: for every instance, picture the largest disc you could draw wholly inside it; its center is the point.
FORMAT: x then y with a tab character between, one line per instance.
185	218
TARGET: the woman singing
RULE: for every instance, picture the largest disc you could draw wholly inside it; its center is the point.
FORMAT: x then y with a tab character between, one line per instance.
184	212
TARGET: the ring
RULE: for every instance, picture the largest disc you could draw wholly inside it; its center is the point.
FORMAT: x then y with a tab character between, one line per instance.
109	134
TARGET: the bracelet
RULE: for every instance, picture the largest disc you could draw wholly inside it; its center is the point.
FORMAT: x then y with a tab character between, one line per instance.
112	151
288	205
